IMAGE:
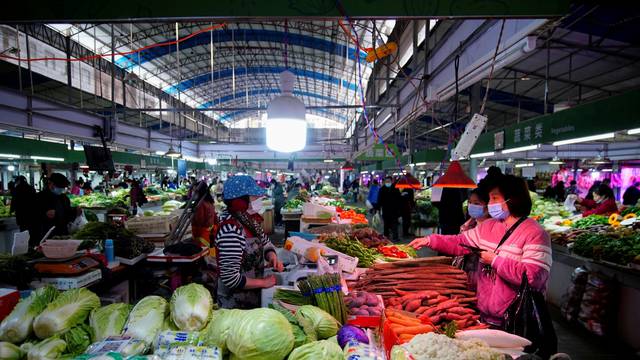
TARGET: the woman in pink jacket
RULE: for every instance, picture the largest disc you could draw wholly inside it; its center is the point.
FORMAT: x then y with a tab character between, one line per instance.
526	249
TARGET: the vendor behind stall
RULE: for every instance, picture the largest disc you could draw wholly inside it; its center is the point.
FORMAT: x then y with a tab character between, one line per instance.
54	207
204	220
603	202
242	246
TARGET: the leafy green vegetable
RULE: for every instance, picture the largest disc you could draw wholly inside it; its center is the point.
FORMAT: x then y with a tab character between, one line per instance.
261	334
147	318
8	351
78	339
323	323
290	296
69	309
126	243
299	335
17	326
323	349
109	320
349	246
191	307
217	332
48	349
589	221
450	329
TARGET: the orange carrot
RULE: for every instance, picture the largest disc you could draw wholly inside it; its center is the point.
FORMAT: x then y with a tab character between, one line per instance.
406	337
403	321
414	330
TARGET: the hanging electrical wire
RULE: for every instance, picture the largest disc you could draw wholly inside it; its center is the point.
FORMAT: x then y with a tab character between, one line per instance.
119	53
493	63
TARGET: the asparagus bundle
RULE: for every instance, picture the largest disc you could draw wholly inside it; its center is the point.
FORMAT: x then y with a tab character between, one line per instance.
326	293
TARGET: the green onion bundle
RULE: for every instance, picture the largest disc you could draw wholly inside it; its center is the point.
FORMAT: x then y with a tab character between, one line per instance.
325	292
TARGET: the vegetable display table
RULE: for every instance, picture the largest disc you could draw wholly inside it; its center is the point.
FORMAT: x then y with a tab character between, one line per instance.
628	298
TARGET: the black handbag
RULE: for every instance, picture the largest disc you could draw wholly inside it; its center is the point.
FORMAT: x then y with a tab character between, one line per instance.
528	316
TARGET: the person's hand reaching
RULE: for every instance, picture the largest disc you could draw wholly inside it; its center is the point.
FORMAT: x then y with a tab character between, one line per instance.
420	243
487	257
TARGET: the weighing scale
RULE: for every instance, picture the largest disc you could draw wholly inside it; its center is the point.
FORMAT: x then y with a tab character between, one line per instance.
72	266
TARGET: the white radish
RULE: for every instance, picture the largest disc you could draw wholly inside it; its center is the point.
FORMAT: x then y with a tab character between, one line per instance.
494	338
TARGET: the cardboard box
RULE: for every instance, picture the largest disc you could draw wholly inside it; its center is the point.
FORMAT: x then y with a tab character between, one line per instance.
74	282
8	300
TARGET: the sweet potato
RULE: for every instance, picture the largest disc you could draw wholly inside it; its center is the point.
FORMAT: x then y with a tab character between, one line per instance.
413	305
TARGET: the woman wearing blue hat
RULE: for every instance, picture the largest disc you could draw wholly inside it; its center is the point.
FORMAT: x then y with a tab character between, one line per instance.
242	247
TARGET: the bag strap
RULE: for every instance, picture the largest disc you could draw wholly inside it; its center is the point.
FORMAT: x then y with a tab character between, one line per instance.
510	231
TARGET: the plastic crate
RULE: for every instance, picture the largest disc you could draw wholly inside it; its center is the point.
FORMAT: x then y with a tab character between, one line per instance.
152	224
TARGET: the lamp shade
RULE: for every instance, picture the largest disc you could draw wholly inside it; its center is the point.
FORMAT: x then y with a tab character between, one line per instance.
455	177
408	181
347	166
172	153
286	125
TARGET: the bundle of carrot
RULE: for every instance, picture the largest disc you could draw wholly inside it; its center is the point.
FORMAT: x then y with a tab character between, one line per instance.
414	275
434	308
405	327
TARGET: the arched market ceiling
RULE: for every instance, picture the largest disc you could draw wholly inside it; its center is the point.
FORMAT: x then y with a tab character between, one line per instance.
238	65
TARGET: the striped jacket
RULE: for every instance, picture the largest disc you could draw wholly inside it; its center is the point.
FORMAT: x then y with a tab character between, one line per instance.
528	249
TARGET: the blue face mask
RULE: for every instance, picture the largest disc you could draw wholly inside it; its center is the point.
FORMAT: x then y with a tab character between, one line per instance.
57	190
476	211
387	184
496	211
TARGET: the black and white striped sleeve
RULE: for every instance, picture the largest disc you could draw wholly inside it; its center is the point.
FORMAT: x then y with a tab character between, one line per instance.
230	243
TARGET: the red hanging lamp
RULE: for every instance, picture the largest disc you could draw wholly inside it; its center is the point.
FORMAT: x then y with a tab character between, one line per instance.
408	181
347	166
455	177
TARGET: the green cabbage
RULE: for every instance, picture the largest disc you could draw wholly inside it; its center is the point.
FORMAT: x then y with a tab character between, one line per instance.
48	349
191	307
323	349
18	325
109	320
70	308
262	334
169	325
78	339
324	324
217	332
147	318
8	351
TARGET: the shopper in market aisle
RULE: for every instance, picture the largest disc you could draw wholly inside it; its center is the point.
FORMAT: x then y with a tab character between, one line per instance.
450	213
242	247
559	191
219	189
477	208
372	198
389	203
592	189
573	188
603	202
22	198
408	203
631	195
54	207
511	244
278	200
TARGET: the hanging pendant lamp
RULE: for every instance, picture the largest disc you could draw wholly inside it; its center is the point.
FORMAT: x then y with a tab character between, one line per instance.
286	119
172	153
455	177
408	181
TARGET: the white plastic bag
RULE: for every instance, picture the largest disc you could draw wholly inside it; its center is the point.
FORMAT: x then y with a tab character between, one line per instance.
376	222
369	205
76	224
569	203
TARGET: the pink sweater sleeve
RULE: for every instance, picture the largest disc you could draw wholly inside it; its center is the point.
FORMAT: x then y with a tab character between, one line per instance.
450	244
535	262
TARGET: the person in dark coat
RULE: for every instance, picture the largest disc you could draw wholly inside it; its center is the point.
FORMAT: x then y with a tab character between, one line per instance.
389	202
22	202
408	203
450	213
559	191
54	207
631	195
278	200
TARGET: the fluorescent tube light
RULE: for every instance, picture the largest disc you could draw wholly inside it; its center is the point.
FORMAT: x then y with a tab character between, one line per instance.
556	162
47	158
634	131
607	170
421	164
522	148
481	155
524	165
583	139
328	160
9	156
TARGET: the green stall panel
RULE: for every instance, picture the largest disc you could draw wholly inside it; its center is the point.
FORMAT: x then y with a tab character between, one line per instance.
614	113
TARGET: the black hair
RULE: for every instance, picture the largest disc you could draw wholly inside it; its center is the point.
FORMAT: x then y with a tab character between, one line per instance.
604	191
573	182
636	184
515	190
388	177
482	193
